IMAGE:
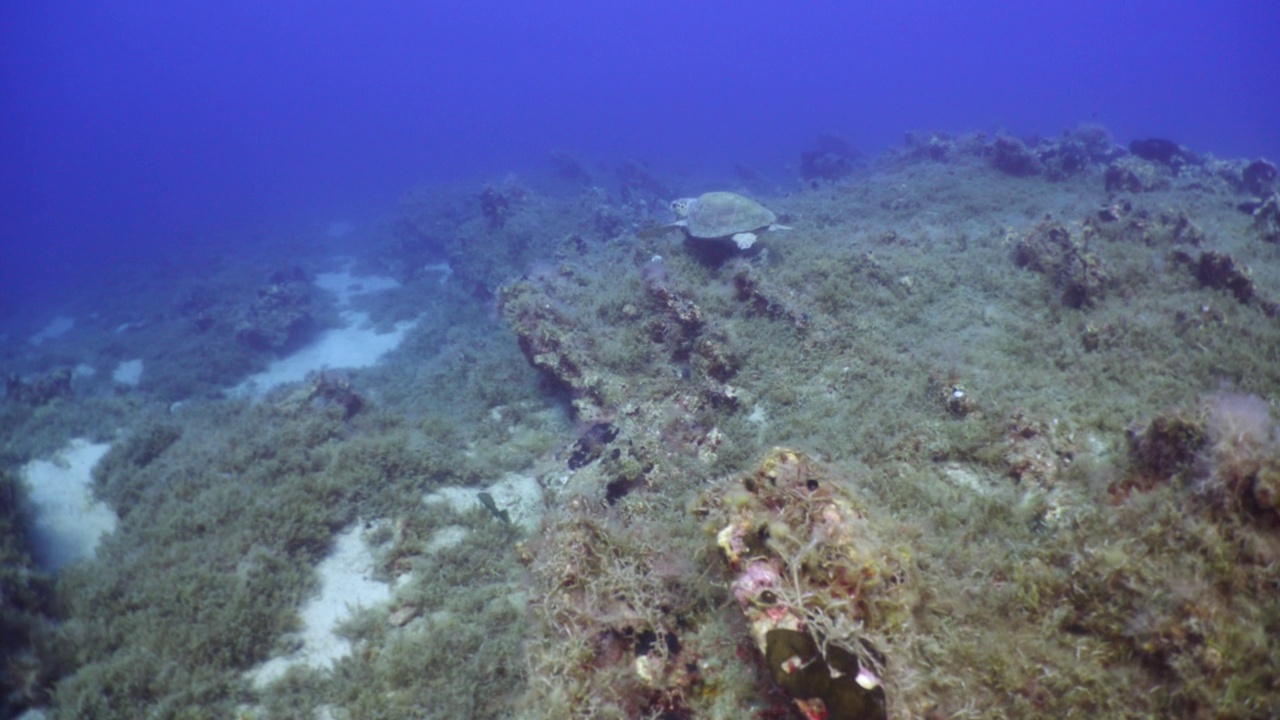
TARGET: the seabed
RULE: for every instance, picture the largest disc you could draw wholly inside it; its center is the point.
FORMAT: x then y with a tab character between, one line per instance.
989	432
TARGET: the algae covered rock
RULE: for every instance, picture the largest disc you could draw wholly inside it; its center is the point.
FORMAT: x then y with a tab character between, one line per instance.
1136	175
280	314
823	593
1052	249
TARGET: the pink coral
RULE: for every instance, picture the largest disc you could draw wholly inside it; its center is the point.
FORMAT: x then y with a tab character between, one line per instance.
759	575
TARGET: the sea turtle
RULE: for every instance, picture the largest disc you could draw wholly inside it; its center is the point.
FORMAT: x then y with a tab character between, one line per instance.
716	215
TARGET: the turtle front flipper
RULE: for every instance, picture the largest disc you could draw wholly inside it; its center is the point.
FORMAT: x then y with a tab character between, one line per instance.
659	230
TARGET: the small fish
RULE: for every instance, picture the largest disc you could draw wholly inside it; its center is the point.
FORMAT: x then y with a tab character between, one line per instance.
487	500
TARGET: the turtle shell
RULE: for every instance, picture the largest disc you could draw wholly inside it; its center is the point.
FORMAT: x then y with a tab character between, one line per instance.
721	214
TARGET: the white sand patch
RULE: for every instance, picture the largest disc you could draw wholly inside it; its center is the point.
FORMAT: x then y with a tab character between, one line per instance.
444	268
356	345
57	327
966	478
128	372
67	522
446	537
346	286
519	495
83	370
346	584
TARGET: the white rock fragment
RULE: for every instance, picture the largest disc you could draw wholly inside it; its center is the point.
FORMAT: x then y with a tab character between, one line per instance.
128	373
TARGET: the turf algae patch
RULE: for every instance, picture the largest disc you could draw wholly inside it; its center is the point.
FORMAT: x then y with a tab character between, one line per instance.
972	417
202	576
224	524
27	593
979	414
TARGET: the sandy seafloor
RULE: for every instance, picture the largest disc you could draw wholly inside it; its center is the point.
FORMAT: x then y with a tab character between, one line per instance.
488	456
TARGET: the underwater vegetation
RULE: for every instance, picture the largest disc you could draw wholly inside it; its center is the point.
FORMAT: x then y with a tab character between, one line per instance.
824	596
26	593
990	432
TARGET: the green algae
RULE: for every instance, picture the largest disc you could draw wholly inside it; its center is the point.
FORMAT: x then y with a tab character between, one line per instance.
28	594
1043	592
220	529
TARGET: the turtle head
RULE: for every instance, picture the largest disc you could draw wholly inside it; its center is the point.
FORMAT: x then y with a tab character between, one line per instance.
681	206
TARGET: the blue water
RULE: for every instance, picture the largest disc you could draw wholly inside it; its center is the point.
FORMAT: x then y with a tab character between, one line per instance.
135	125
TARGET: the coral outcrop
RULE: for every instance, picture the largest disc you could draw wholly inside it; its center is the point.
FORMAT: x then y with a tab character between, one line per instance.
1050	248
280	314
